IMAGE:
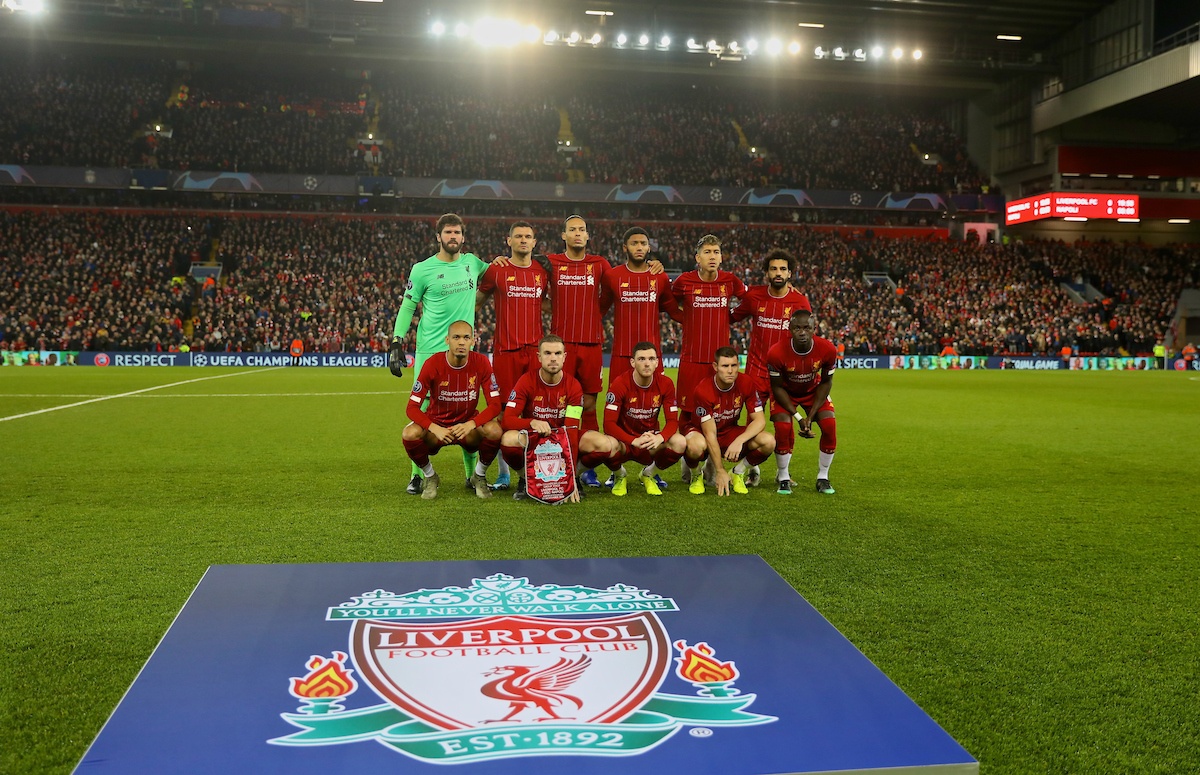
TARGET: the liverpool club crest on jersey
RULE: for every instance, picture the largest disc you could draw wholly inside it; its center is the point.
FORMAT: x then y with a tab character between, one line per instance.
503	668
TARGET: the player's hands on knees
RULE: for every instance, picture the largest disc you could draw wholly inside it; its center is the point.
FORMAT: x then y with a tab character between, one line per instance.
396	359
443	435
733	452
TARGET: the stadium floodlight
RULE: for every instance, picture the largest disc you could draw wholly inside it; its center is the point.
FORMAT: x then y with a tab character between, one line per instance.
550	37
438	29
599	13
877	52
917	53
664	41
595	39
1008	37
692	45
839	53
819	52
813	25
643	39
794	48
860	55
752	45
897	53
733	46
532	34
774	46
461	30
574	38
622	39
1179	220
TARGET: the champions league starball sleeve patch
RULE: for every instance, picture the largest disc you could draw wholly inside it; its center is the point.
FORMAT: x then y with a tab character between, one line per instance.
636	666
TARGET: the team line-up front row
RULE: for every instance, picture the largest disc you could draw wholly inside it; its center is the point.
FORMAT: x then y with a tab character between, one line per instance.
646	421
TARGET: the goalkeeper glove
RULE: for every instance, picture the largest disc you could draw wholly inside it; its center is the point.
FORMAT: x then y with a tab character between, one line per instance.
396	358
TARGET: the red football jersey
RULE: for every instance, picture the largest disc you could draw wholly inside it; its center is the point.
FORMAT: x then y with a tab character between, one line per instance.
575	298
724	407
770	318
705	307
453	393
802	373
630	409
533	399
518	292
639	299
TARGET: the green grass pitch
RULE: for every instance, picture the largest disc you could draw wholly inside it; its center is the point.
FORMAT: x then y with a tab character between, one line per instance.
1018	551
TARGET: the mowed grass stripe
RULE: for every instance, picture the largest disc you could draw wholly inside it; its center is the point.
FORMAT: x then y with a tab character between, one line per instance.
1016	550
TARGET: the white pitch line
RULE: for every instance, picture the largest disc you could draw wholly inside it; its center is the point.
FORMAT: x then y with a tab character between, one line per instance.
134	393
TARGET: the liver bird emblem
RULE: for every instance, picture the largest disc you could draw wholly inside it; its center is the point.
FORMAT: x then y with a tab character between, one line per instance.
526	687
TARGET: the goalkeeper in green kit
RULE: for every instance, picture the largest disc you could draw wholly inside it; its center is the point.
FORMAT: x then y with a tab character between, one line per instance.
444	285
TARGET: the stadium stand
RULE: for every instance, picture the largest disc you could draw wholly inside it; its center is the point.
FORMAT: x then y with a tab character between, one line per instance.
90	112
98	280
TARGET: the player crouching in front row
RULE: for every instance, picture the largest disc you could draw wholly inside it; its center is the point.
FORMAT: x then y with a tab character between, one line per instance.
801	370
714	431
452	381
631	415
542	401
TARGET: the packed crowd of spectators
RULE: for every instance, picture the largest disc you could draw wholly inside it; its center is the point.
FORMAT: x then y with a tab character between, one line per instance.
263	123
71	113
90	280
95	112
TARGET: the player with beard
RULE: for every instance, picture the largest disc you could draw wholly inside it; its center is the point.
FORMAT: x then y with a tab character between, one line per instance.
769	308
541	401
517	287
638	298
444	287
801	369
451	383
575	316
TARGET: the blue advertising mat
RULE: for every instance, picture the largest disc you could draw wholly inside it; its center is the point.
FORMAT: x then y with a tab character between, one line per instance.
638	666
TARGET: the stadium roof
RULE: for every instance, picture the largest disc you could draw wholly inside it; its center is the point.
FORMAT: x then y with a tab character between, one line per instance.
958	40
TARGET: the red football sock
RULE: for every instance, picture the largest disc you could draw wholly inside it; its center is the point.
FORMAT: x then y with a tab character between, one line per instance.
417	451
828	434
785	437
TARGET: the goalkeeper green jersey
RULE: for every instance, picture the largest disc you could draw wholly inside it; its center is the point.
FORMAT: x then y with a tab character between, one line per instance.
446	292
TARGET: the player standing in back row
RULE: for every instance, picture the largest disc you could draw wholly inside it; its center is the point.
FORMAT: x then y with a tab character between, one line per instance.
518	289
575	316
770	309
704	295
444	287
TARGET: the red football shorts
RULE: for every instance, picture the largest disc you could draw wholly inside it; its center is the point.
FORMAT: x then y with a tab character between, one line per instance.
690	375
509	365
585	362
